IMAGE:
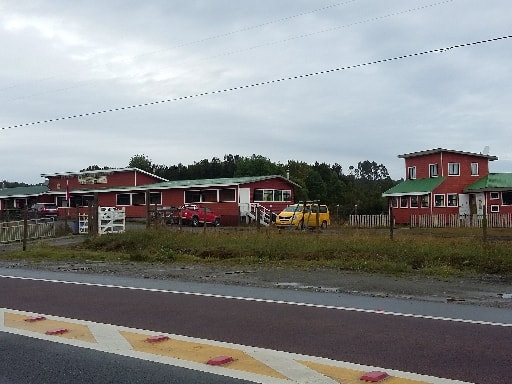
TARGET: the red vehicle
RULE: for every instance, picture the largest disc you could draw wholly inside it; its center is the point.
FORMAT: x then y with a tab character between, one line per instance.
194	215
45	209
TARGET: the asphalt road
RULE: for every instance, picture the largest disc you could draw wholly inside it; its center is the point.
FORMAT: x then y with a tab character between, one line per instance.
466	351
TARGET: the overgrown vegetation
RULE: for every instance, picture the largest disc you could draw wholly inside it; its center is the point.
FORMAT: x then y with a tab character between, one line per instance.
439	252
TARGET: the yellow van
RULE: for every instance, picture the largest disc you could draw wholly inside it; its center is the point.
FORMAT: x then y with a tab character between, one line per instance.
304	216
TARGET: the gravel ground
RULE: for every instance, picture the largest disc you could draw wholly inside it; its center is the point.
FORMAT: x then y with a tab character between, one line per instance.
488	290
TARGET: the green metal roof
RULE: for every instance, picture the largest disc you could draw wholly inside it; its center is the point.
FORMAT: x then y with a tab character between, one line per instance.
33	190
491	182
215	182
414	187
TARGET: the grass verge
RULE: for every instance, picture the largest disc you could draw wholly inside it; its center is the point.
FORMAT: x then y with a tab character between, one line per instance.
440	252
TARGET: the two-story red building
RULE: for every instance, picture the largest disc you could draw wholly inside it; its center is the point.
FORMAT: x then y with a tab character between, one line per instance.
442	181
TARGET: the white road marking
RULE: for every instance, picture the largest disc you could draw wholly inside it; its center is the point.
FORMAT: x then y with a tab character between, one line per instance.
352	309
283	362
299	373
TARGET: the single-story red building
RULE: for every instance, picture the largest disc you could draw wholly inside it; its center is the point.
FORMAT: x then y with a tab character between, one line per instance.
234	198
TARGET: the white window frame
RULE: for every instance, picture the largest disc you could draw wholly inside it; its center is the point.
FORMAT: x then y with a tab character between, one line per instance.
494	196
443	200
452	203
474	169
433	170
394	201
414	198
411	173
495	208
405	200
425	201
451	169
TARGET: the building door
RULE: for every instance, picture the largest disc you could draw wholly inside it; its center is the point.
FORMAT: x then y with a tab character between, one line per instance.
244	200
464	210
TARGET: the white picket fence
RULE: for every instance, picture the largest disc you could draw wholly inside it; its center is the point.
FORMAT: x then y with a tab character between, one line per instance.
368	221
11	231
494	220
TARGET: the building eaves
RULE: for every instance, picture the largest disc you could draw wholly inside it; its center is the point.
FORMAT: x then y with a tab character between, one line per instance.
33	190
414	187
492	182
440	150
179	184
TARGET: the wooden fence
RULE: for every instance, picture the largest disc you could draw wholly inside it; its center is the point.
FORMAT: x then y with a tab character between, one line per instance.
368	221
494	220
36	228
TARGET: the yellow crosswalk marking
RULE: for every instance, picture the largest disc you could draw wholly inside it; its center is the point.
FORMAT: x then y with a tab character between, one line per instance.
200	353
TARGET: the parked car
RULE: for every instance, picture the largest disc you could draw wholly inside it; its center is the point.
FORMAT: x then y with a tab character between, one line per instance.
195	214
45	209
304	216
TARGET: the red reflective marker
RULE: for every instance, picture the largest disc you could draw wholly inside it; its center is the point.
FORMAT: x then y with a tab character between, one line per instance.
35	318
374	376
220	360
157	339
58	331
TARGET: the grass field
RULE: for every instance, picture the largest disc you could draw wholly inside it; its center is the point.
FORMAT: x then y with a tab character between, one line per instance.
439	252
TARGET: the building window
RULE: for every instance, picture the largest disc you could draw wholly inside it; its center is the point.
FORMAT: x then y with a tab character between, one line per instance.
411	173
272	195
414	201
495	195
425	203
474	169
432	170
139	198
227	194
192	196
394	202
209	195
495	208
453	200
453	169
403	201
439	200
155	198
506	198
123	199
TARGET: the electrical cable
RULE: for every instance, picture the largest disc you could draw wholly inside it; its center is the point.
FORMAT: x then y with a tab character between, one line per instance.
269	82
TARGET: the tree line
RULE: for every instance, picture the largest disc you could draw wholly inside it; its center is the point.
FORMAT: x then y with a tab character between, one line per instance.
358	191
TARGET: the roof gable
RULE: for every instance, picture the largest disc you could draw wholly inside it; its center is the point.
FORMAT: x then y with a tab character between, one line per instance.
414	187
101	172
441	150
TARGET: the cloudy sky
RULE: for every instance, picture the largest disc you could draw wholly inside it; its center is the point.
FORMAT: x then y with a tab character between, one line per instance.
65	58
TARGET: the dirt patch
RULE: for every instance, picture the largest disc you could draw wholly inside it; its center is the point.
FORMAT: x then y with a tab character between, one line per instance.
489	290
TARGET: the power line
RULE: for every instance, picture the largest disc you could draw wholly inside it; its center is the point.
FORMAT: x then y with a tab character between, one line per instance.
269	82
217	36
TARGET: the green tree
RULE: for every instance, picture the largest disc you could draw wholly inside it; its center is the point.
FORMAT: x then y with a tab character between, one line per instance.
142	162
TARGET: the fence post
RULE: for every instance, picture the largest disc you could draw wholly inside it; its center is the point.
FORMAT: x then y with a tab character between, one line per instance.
391	222
484	224
25	227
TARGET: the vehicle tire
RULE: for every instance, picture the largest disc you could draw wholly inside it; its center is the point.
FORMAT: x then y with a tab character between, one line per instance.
216	222
195	221
324	225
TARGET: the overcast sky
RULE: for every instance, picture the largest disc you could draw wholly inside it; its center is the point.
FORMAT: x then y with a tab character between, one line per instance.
65	58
